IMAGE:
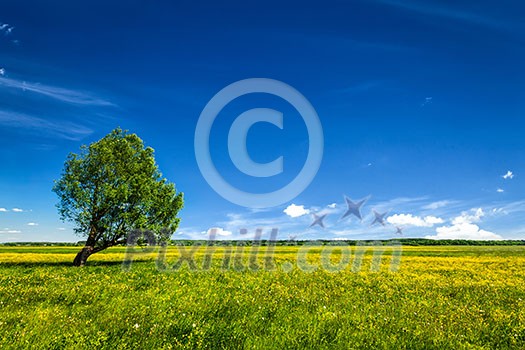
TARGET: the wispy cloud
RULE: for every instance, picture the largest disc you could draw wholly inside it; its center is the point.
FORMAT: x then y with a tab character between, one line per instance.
58	93
6	28
237	221
438	204
510	208
56	125
17	210
296	222
364	86
65	130
509	175
426	215
427	101
32	224
440	10
7	230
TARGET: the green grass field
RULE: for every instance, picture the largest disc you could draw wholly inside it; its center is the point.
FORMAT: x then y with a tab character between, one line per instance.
440	298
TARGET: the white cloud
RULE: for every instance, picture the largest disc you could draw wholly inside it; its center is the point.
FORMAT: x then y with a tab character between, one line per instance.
219	231
469	217
464	231
295	211
2	71
464	227
500	190
432	220
411	220
61	229
508	175
32	224
332	206
17	210
3	210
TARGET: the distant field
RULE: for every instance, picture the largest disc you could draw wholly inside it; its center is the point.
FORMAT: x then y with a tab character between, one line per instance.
453	297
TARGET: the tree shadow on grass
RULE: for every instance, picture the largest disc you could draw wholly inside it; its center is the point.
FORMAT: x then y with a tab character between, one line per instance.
100	263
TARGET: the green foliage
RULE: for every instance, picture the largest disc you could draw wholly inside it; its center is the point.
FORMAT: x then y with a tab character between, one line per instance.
114	186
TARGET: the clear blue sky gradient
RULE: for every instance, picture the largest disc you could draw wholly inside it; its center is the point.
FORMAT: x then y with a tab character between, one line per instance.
422	106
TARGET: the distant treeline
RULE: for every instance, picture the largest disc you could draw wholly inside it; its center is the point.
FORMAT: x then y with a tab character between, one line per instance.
403	241
42	244
432	242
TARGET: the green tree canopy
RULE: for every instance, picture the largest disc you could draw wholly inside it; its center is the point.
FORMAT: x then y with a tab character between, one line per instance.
112	187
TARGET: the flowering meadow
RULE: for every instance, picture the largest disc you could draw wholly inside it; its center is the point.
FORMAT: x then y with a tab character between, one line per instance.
453	297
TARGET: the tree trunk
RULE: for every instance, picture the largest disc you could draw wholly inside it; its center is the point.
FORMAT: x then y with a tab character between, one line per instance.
82	256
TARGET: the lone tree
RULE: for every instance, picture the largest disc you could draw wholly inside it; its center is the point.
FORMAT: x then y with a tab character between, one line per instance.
112	187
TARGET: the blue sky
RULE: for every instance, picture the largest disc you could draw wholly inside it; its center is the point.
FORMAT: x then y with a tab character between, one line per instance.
421	105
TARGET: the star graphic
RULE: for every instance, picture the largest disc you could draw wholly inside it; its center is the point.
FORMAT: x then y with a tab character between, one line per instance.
318	220
354	208
380	218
